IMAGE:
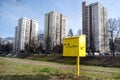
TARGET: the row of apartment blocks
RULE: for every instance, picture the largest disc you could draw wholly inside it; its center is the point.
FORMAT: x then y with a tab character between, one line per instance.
94	25
55	29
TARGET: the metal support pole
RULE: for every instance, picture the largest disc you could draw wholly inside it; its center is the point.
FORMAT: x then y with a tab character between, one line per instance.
77	66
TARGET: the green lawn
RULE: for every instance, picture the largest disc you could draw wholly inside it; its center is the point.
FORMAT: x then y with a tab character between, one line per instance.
23	69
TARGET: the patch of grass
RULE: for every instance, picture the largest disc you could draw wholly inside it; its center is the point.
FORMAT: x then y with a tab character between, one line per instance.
47	70
100	73
105	61
22	69
58	58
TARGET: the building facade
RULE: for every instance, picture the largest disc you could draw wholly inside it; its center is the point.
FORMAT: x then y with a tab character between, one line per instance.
55	29
94	25
26	33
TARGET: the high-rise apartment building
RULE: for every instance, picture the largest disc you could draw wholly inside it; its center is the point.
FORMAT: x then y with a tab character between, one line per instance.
26	33
94	25
55	29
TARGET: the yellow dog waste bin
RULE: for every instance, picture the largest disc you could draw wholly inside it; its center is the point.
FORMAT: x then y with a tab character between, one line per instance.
75	46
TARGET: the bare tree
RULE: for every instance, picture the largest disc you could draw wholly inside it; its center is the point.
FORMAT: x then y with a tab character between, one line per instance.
79	32
70	33
32	46
58	48
114	29
48	44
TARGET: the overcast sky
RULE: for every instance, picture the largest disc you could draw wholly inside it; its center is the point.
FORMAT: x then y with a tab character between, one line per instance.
12	10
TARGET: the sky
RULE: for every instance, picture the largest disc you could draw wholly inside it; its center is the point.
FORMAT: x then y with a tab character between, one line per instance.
12	10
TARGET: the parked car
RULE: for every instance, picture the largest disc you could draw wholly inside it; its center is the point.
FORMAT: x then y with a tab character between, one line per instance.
96	53
105	53
14	56
117	53
5	53
89	53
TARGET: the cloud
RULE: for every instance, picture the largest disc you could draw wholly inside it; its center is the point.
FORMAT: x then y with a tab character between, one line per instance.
12	2
4	3
58	4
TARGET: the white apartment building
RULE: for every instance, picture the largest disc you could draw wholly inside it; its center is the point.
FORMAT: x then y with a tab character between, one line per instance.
55	29
26	33
16	41
94	25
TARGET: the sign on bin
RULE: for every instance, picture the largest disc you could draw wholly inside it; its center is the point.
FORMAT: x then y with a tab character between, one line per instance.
74	46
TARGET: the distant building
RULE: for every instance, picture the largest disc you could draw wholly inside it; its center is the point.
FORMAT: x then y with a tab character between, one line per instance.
26	33
55	29
94	25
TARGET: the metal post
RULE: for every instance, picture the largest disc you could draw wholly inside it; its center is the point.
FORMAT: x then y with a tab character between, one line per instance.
77	66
